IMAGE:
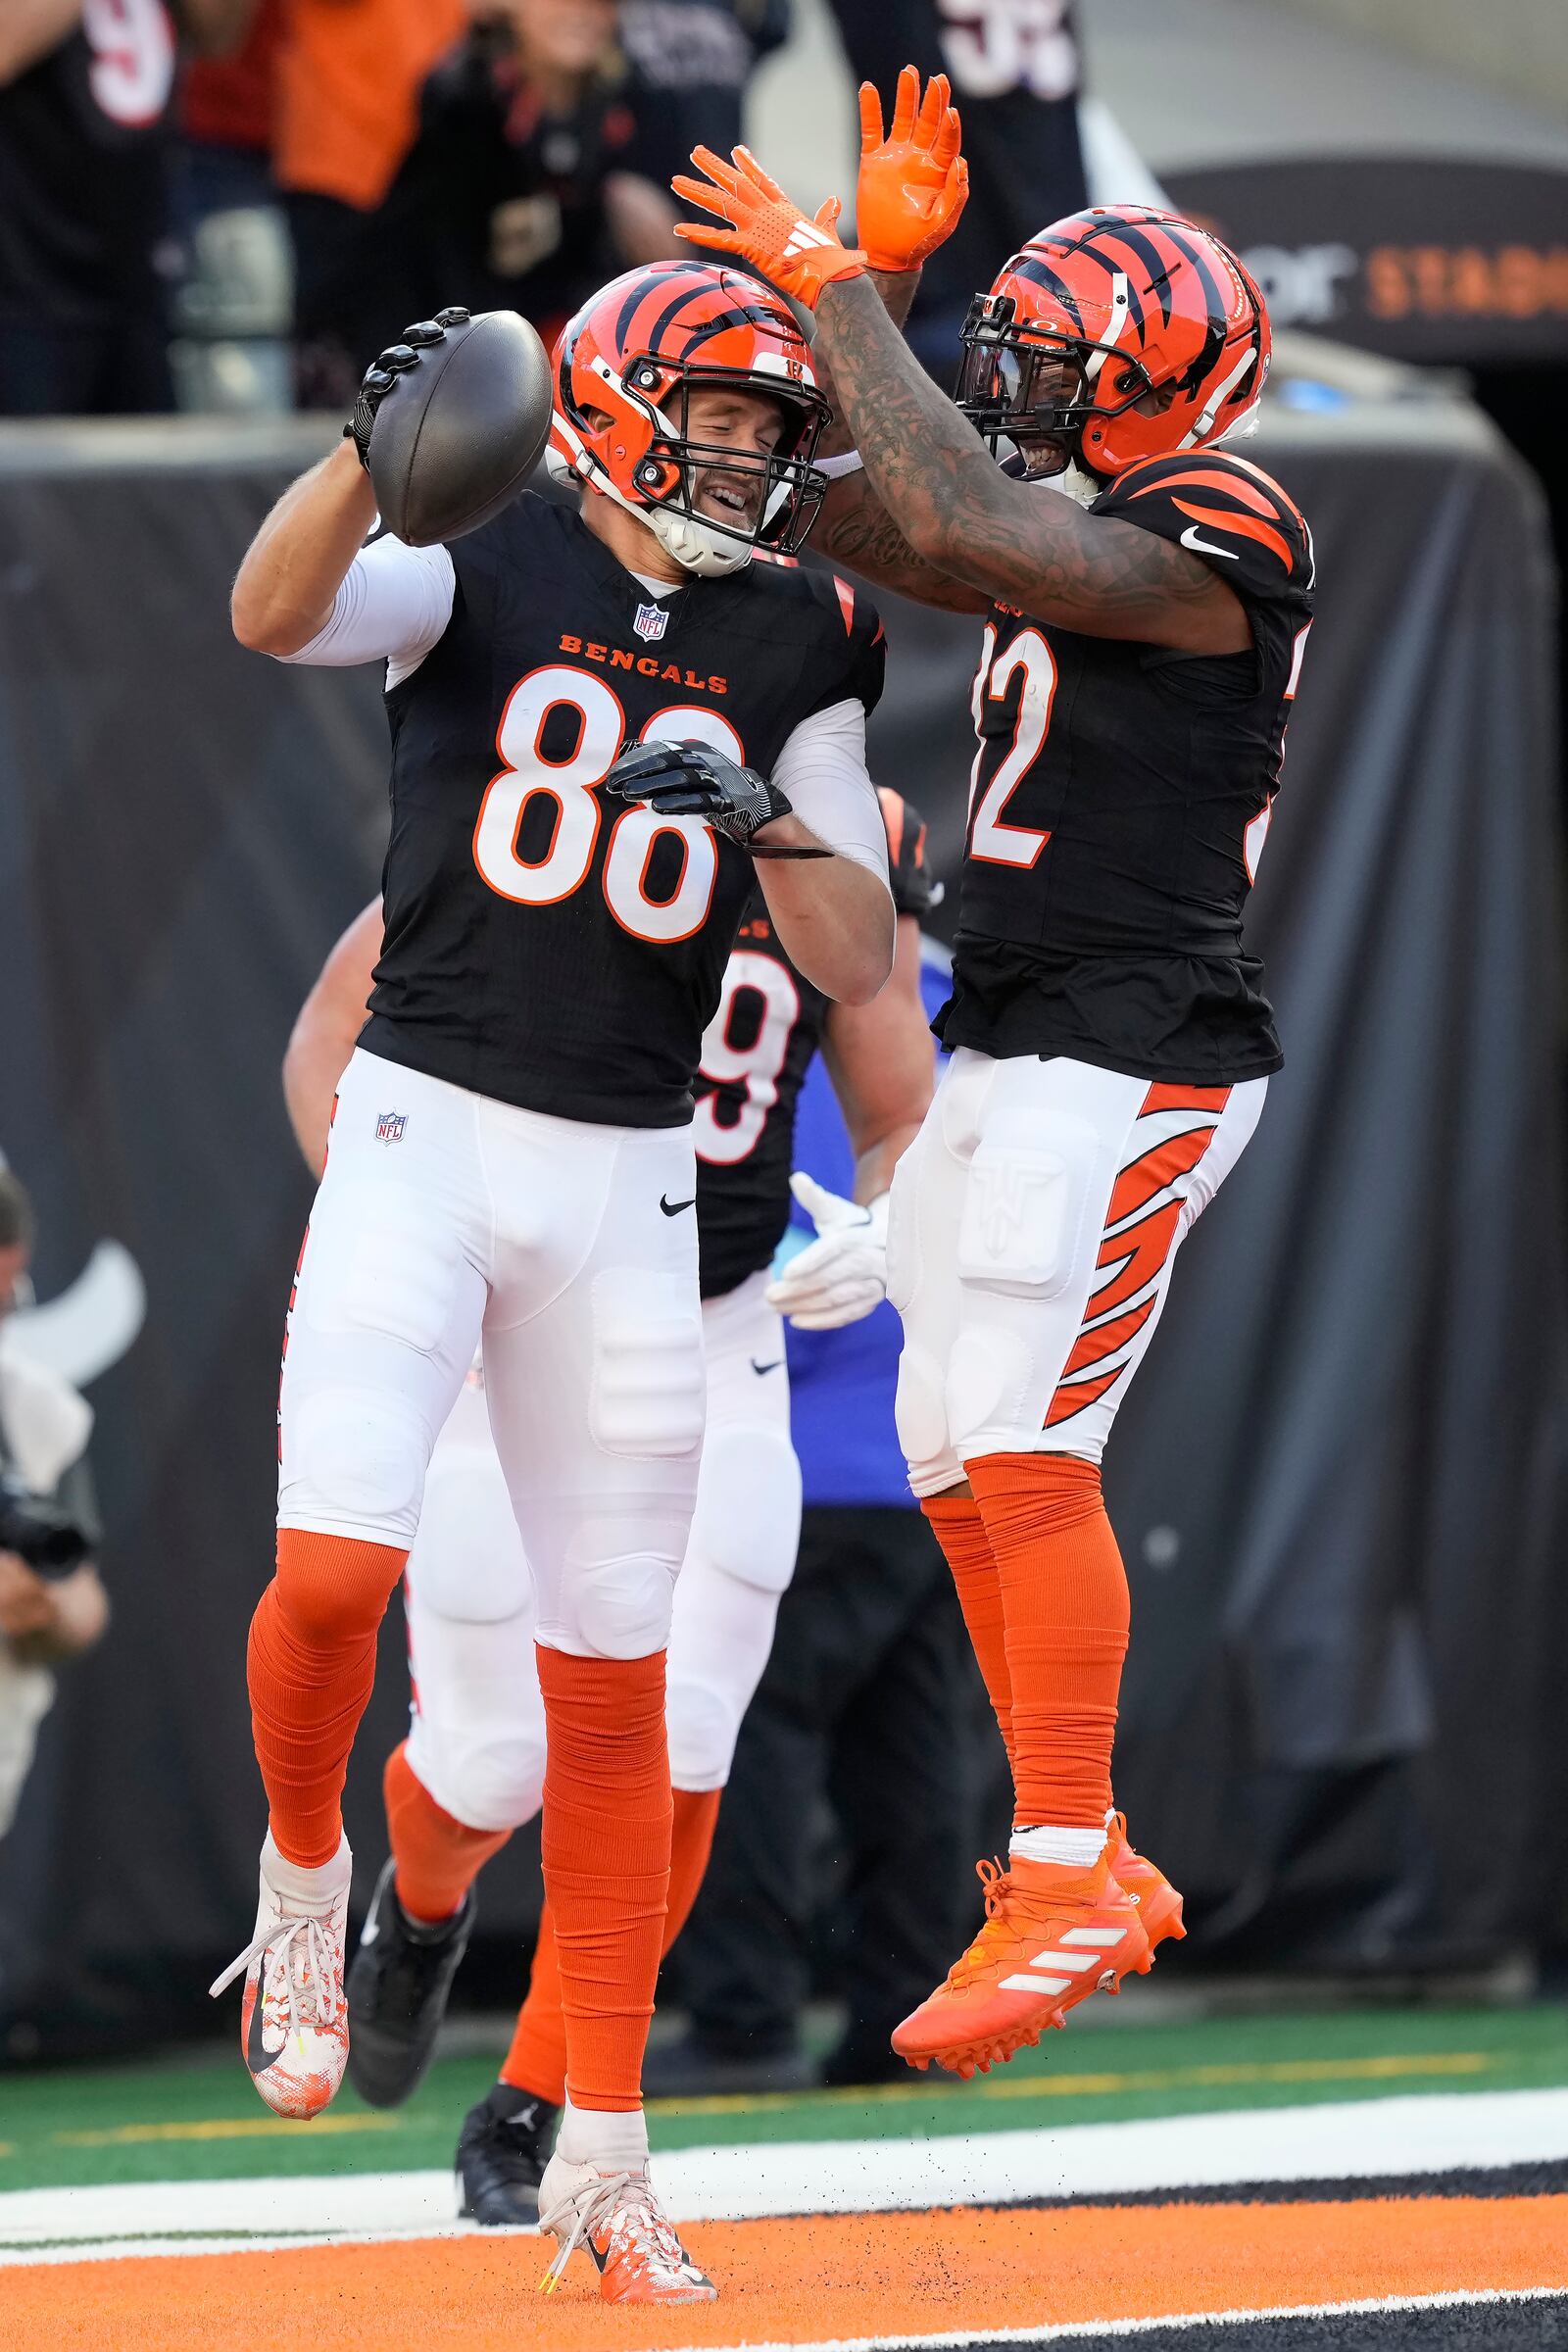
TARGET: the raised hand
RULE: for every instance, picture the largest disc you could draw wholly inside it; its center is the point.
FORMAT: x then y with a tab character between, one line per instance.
767	229
914	183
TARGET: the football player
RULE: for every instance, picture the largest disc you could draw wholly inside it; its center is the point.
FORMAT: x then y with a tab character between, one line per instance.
1146	597
472	1769
601	714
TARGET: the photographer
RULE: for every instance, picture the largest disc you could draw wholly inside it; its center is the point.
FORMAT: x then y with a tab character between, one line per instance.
52	1605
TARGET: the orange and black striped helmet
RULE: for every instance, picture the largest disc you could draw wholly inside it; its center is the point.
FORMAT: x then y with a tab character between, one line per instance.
627	367
1117	334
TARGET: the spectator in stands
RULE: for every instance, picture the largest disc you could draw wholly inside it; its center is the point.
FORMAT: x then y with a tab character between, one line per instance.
235	309
84	104
543	161
870	1688
45	1620
702	52
1016	71
348	80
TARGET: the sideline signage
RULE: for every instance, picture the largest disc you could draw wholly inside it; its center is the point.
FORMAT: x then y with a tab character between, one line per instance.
1426	259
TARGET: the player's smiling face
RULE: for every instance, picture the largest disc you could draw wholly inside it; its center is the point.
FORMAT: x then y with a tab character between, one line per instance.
720	418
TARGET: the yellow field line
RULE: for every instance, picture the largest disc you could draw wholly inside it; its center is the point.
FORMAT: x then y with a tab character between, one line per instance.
242	2127
1029	2086
1084	2087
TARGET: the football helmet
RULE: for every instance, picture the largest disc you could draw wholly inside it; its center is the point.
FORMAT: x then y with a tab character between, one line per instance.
627	367
1097	314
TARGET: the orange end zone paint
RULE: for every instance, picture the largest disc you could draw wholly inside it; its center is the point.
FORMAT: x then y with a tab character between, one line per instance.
838	2276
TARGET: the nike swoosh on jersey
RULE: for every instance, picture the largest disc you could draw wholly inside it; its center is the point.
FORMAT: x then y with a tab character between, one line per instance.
1207	546
760	1369
258	2057
672	1208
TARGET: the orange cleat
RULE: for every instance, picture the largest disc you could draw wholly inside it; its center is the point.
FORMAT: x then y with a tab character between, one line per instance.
1052	1938
1160	1906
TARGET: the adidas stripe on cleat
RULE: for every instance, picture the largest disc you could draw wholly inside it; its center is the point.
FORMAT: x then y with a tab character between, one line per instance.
1052	1938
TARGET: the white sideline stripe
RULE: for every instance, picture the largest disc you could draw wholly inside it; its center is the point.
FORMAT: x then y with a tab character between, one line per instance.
1350	2140
1074	1962
1103	1938
1028	1983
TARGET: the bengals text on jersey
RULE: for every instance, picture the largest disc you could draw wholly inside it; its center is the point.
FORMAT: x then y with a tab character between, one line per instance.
555	659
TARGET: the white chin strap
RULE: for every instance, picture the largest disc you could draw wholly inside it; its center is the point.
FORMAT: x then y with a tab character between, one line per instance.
1076	482
695	547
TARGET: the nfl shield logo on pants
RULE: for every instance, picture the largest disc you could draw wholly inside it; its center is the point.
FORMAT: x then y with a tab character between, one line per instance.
652	621
389	1126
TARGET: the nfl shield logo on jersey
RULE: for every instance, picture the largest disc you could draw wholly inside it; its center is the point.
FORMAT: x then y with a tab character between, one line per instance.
652	621
389	1126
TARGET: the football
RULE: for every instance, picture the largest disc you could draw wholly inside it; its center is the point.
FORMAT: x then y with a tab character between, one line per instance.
457	437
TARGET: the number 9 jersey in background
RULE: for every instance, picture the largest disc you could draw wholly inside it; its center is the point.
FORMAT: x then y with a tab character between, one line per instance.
547	945
755	1055
1121	797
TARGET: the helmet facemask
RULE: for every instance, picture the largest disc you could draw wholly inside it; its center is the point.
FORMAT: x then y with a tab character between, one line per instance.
1038	388
777	492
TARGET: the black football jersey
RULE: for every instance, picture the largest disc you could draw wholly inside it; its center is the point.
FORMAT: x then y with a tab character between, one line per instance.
82	169
756	1054
1121	798
546	943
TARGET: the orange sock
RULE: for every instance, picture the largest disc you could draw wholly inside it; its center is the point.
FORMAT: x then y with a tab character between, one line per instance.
536	2062
605	1850
960	1531
311	1664
1065	1604
438	1856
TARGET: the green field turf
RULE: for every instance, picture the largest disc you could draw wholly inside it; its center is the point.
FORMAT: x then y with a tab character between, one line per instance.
200	2120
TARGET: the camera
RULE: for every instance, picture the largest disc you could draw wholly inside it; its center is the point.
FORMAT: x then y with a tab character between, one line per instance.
47	1538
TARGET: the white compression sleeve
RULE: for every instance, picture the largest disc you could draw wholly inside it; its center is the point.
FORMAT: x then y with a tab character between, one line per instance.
393	605
822	772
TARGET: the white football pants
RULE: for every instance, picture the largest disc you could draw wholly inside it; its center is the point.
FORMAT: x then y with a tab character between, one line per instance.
477	1735
573	1249
1031	1230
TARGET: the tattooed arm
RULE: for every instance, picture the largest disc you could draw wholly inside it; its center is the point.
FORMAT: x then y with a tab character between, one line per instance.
855	527
965	521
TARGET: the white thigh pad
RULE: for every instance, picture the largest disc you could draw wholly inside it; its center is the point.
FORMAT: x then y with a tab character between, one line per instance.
748	1516
355	1453
1026	1200
920	1416
649	1392
617	1575
380	1263
467	1564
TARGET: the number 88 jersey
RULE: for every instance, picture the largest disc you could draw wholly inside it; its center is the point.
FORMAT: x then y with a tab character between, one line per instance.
547	944
756	1054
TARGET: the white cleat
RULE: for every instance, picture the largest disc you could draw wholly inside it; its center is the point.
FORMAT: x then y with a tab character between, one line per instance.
294	2024
614	2215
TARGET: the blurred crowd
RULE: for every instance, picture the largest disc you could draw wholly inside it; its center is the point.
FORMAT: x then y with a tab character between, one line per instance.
230	203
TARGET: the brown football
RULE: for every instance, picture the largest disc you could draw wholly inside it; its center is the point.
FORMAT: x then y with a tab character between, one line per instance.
457	437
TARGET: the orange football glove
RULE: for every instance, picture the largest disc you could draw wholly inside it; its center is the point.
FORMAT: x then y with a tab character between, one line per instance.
914	183
768	230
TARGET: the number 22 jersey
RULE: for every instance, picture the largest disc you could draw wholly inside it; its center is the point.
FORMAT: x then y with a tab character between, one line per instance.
548	943
1121	797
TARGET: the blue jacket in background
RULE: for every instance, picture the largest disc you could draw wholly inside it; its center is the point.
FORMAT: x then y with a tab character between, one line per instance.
842	1383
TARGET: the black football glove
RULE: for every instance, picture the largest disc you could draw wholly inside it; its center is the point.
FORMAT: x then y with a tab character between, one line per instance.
383	372
916	889
692	779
